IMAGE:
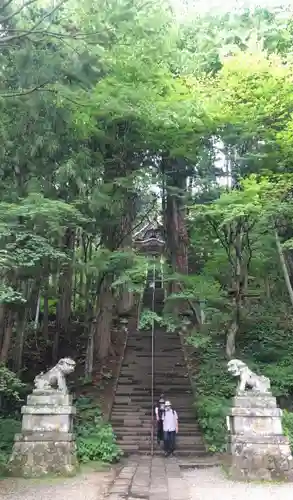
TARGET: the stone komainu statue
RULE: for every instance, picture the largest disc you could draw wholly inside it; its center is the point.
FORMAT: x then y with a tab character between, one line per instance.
55	378
248	379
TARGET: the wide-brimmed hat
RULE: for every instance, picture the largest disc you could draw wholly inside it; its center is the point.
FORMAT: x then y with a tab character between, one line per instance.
167	403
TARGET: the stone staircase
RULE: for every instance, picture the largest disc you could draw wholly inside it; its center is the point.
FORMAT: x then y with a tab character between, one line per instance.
132	410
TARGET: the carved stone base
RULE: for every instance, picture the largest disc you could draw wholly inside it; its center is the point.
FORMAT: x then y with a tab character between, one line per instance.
258	448
260	458
37	457
46	444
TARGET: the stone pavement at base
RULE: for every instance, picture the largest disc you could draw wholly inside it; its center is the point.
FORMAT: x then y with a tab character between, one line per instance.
151	479
212	483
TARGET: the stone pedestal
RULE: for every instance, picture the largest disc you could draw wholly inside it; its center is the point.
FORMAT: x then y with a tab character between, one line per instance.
258	448
46	444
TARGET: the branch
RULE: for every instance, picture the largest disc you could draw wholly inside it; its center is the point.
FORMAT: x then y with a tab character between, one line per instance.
6	4
13	14
10	38
249	251
20	33
223	243
25	92
42	89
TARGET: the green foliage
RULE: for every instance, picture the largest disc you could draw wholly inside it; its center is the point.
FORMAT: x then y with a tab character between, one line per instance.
214	389
10	296
11	386
8	428
148	318
94	438
199	341
287	422
211	413
11	391
264	344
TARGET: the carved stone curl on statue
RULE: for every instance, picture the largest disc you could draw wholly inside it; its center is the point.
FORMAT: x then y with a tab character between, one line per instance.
248	379
55	378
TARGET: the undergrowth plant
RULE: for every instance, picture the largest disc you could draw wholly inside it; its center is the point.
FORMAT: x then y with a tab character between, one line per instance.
94	438
213	390
263	347
11	391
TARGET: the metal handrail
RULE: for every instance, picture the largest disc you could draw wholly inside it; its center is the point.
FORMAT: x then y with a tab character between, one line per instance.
152	374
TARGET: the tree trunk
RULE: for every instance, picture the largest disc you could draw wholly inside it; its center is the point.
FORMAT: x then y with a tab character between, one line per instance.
267	288
65	284
2	323
46	311
284	267
89	360
21	320
7	337
55	348
231	340
125	301
37	315
92	313
20	338
102	336
239	282
175	225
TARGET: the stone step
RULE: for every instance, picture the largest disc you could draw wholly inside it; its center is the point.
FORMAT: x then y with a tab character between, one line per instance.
184	437
144	418
121	417
133	449
180	441
144	389
132	406
140	393
191	429
140	380
144	402
145	370
132	409
119	428
138	410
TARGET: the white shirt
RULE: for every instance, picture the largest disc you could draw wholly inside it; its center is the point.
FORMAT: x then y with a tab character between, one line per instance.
170	420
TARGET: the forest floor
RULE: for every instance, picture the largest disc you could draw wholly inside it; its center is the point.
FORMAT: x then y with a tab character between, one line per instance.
88	485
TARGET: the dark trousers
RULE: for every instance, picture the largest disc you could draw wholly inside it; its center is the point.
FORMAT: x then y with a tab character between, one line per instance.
169	441
160	432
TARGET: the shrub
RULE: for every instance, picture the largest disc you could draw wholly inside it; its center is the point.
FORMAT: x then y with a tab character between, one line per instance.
211	413
8	428
11	386
94	438
287	422
214	389
264	343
